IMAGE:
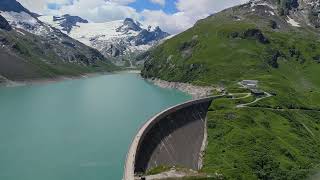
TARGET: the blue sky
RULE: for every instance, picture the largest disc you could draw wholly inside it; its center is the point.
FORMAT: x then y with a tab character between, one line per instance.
138	5
141	5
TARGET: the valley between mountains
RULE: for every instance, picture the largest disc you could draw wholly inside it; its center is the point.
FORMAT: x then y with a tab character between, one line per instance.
38	47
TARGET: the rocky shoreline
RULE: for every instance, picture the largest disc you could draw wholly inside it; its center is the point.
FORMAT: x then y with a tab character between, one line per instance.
195	91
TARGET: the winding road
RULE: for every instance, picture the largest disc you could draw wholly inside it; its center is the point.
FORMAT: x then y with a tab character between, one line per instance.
257	100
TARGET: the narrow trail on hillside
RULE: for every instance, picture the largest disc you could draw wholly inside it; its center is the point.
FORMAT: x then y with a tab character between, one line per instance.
257	100
243	97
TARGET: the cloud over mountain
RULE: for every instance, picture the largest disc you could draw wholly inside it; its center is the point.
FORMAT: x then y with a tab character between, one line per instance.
185	14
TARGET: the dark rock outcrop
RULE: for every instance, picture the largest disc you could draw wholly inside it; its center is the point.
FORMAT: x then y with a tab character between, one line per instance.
4	24
129	25
113	51
68	22
284	6
302	10
256	34
250	33
146	36
272	58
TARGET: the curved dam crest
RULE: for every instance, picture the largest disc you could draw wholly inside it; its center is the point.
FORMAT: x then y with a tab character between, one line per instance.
174	137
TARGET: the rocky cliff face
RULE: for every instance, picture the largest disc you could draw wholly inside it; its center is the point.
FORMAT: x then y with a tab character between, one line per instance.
309	9
4	24
306	12
147	36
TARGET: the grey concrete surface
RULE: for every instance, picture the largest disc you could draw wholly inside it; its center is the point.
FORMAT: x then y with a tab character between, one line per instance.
173	137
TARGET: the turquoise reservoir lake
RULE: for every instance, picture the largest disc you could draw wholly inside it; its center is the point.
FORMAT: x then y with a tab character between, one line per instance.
75	129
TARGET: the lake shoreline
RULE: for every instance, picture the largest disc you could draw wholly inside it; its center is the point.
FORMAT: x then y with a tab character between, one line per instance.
9	83
195	91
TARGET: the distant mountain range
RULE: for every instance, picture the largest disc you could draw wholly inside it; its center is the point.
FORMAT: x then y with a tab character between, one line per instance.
36	47
117	40
31	49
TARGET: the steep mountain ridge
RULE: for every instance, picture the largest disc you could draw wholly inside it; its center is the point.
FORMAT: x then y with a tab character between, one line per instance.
45	49
117	40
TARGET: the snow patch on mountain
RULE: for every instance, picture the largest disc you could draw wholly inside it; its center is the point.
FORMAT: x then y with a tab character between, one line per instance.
87	33
120	39
25	21
292	22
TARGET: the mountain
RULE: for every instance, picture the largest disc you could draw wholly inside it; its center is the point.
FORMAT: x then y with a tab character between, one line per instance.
116	40
261	20
277	43
30	49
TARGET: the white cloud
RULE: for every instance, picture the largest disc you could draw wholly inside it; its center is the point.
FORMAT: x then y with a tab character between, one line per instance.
92	10
123	2
172	23
40	6
160	2
202	7
99	10
189	11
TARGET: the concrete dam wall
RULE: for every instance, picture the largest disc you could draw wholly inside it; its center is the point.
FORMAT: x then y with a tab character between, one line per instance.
174	137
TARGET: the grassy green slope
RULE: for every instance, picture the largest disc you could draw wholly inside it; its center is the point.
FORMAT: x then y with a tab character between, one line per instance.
276	138
262	143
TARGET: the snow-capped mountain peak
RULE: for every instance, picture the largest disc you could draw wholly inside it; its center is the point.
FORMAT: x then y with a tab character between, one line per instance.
129	24
115	39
